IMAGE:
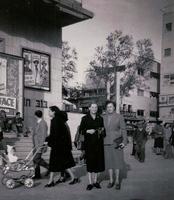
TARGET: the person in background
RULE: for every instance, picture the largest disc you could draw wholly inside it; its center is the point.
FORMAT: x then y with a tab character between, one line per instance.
167	145
18	121
114	142
140	141
4	120
171	139
61	158
92	127
3	146
158	131
133	140
39	137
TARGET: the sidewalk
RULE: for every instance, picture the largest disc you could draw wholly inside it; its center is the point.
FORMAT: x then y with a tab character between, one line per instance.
152	180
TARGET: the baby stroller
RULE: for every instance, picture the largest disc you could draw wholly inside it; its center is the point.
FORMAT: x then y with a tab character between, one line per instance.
22	171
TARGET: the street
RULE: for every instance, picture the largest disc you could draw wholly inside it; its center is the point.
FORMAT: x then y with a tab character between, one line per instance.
152	180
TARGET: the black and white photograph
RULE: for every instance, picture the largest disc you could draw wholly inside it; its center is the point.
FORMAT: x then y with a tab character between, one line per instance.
87	99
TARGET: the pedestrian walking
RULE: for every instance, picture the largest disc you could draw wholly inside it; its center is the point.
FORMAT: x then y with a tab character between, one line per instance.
39	136
140	141
61	158
114	142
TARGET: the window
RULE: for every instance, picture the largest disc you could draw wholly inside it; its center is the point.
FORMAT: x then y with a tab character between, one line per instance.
171	100
141	72
153	114
153	95
140	112
163	99
2	45
154	75
140	92
169	27
124	107
167	52
129	108
168	79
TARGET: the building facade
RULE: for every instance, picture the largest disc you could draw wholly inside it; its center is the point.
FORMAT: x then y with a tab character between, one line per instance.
144	102
32	30
167	63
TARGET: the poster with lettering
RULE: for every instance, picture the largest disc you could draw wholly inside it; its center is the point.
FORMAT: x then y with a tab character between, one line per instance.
36	70
11	88
3	73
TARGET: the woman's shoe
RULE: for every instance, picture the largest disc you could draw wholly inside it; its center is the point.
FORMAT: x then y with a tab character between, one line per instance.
97	185
117	186
60	180
110	185
50	184
74	181
89	187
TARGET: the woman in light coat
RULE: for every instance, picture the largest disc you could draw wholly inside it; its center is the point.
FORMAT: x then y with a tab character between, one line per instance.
115	131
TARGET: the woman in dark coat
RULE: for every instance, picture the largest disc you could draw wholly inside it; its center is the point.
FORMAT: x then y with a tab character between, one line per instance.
60	142
92	127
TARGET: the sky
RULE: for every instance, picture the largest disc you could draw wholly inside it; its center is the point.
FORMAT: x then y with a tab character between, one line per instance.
139	18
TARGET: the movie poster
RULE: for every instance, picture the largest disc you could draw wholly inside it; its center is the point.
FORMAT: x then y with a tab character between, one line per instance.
11	84
36	70
3	73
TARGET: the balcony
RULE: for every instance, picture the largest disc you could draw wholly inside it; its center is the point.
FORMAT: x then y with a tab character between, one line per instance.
59	12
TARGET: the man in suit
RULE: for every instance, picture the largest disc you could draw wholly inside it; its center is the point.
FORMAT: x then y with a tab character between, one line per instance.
39	136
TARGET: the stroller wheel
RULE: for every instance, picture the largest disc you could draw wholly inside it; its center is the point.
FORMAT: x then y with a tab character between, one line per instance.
4	180
10	184
28	182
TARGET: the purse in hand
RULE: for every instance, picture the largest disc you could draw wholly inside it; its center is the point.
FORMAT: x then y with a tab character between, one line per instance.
117	142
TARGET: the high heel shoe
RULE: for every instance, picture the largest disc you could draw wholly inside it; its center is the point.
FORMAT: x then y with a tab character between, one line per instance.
61	180
110	185
50	184
118	186
74	181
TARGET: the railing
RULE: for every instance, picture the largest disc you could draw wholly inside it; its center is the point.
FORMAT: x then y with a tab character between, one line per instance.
128	114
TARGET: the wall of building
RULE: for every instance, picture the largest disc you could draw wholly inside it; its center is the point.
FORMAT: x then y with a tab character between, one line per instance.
19	33
145	102
167	63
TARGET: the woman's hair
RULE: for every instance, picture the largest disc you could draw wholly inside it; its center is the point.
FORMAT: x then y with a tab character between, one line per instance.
55	109
64	115
93	103
110	102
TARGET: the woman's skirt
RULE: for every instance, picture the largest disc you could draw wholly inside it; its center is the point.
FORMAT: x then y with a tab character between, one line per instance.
114	158
60	160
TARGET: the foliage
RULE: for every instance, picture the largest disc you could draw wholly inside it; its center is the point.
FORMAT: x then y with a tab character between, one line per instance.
118	51
69	59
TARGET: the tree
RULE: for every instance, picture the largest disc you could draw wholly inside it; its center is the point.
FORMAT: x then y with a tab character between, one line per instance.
142	61
69	59
118	51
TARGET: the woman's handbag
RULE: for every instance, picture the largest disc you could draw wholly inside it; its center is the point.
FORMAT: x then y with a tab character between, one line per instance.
101	132
117	142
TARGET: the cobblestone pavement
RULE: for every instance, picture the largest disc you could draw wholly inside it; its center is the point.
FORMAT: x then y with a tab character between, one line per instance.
152	180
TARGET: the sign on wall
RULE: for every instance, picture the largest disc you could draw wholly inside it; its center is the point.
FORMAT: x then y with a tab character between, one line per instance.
36	70
11	84
3	73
